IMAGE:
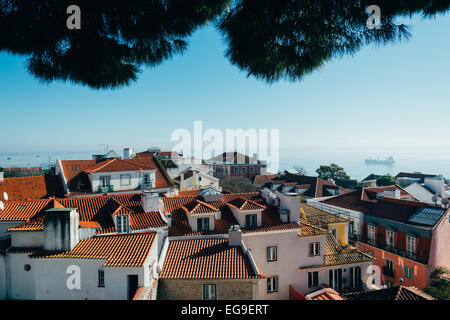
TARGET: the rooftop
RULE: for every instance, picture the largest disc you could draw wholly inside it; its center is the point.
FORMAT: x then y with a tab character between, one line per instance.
119	250
206	259
394	293
99	209
35	187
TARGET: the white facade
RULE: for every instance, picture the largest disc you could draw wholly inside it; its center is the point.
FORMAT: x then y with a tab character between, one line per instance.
123	180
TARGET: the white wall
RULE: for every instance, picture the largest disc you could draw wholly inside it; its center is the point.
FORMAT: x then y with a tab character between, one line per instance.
292	252
2	276
240	216
192	218
136	179
4	226
21	283
25	239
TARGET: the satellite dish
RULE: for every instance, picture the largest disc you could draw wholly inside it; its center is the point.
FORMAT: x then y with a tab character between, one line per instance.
2	206
434	199
5	196
445	201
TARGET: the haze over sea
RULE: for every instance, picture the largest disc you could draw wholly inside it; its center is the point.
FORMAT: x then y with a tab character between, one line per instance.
308	158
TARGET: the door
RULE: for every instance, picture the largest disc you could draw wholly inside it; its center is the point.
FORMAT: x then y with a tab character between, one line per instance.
355	277
132	280
335	279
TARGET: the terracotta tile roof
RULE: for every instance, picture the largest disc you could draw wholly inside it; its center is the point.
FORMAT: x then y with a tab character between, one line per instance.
76	171
180	224
119	250
245	204
324	294
393	293
196	206
280	227
263	178
35	187
206	259
317	186
188	193
99	209
352	201
233	157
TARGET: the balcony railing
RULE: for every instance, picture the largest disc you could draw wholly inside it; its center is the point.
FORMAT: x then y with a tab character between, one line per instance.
105	189
422	258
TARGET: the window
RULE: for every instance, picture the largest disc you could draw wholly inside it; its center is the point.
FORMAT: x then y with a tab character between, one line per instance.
351	228
271	254
252	170
75	169
209	292
203	224
259	170
313	279
101	278
146	180
236	170
244	170
314	249
251	220
123	223
389	283
272	284
408	272
105	181
125	179
411	245
390	238
355	277
335	279
371	232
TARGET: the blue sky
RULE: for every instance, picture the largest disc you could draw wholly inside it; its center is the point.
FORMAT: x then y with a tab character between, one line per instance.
394	97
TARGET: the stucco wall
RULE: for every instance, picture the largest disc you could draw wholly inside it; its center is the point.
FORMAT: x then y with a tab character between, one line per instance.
193	289
2	276
136	178
21	283
27	239
5	225
440	245
292	252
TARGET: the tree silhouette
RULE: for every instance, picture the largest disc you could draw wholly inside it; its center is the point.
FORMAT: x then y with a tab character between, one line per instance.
269	39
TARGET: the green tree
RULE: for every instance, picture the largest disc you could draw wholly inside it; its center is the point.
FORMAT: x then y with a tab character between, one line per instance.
268	39
332	171
236	184
440	286
386	180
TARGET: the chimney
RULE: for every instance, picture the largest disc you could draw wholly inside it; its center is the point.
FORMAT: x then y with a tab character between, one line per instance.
127	153
169	219
61	229
235	236
181	181
1	176
150	201
255	158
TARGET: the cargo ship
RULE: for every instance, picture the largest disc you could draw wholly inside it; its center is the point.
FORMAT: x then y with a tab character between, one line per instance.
386	161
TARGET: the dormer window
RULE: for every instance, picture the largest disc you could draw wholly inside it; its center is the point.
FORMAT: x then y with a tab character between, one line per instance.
251	220
203	224
123	223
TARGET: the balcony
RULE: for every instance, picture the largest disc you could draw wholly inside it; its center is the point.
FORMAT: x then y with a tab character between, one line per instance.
105	189
419	257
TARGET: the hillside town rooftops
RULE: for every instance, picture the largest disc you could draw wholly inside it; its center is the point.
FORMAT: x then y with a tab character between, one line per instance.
98	209
180	226
119	250
206	259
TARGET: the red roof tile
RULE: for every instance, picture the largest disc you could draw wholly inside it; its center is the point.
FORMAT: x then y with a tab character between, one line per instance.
35	187
119	250
206	259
